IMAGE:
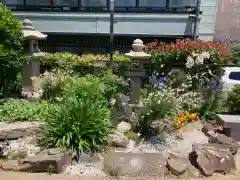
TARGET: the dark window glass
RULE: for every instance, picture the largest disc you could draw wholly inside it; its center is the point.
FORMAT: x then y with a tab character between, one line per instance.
38	2
182	3
94	3
125	3
13	2
69	3
234	75
152	3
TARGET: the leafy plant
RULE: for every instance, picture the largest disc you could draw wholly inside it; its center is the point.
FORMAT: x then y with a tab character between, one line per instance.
81	119
233	99
157	105
74	64
23	110
75	124
52	84
11	49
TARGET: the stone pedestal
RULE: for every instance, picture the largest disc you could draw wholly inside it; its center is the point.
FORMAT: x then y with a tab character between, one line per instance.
138	58
230	124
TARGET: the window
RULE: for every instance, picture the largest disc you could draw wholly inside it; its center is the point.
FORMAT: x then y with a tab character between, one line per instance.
38	2
94	3
13	2
234	76
182	3
69	3
125	3
152	3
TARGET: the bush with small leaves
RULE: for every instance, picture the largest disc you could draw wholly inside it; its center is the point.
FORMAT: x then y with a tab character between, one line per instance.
11	49
233	99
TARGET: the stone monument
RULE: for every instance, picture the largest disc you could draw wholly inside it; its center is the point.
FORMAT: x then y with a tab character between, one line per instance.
31	70
138	58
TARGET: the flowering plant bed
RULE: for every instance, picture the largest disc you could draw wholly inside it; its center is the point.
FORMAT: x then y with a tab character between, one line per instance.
183	118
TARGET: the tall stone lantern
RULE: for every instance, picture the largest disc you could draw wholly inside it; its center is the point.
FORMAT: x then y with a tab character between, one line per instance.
138	58
31	70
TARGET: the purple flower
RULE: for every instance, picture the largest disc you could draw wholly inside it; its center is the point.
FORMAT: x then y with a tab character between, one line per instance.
161	79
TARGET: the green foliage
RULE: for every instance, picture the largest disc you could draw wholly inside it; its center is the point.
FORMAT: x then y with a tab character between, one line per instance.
11	49
81	118
235	54
53	83
131	135
22	110
157	105
74	64
233	99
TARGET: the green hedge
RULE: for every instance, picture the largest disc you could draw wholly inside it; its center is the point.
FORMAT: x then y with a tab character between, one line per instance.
77	64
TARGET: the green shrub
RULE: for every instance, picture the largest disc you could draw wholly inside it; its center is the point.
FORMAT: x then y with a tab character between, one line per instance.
233	99
235	54
11	49
74	64
22	110
53	83
157	106
80	120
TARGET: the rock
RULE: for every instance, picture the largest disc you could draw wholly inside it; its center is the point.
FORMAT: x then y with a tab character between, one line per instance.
121	109
161	126
18	130
177	155
222	139
48	160
193	171
123	127
119	140
207	127
177	166
87	157
13	165
237	160
135	164
210	158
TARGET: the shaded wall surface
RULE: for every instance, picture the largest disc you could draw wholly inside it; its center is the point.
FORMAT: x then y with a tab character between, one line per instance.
228	21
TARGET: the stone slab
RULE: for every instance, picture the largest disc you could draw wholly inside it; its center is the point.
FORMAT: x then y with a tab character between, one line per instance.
231	125
135	164
54	160
9	131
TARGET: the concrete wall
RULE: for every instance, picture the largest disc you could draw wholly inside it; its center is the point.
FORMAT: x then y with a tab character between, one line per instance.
228	21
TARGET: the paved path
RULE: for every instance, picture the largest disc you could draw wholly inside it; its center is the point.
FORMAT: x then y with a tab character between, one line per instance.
43	176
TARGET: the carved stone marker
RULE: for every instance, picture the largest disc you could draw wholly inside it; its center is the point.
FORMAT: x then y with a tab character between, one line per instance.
138	58
30	84
230	124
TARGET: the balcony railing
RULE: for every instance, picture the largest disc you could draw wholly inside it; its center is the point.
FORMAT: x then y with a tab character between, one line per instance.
159	6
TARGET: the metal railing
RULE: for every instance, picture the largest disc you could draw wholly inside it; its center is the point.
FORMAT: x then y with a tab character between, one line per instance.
159	6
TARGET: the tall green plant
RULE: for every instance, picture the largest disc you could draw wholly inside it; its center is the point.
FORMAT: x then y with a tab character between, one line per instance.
11	48
77	124
81	119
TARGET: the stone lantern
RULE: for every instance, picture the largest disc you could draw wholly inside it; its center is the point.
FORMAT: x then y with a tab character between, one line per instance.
138	58
31	70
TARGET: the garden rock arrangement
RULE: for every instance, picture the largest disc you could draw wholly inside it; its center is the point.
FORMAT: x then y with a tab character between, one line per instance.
20	152
18	129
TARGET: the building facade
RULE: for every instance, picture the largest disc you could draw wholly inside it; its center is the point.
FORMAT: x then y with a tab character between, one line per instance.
81	25
228	21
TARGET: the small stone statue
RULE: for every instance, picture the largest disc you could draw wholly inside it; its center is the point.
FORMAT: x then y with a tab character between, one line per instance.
121	108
